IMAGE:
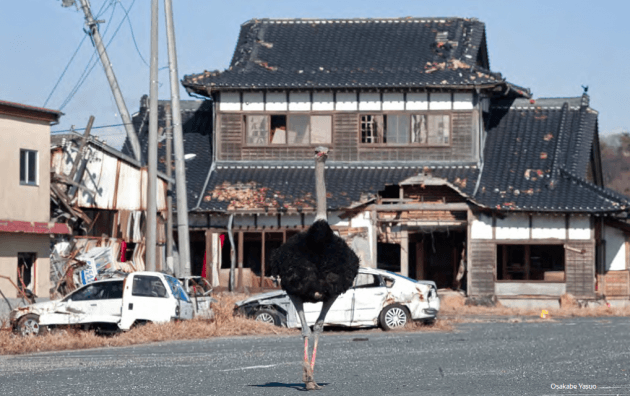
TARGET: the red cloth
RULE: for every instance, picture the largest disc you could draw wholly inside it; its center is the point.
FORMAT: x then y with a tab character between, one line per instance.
123	251
203	269
222	239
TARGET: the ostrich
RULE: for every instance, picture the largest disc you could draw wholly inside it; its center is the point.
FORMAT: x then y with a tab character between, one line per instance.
315	266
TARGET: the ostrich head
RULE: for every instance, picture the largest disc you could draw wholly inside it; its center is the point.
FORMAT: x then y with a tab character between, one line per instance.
321	154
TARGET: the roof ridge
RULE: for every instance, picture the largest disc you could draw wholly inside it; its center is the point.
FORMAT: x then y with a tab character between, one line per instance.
361	20
604	192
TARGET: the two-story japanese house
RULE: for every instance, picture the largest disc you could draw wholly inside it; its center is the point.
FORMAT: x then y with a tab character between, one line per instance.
439	168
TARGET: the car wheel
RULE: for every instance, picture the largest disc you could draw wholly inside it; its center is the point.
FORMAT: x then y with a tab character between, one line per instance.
29	325
393	316
267	316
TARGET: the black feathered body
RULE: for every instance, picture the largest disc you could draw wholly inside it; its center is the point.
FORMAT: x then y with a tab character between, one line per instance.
315	265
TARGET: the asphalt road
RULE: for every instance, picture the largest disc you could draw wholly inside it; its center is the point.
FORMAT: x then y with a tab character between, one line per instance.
523	358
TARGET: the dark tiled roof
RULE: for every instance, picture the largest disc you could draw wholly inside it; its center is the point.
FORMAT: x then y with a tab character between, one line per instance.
234	186
536	158
341	53
197	129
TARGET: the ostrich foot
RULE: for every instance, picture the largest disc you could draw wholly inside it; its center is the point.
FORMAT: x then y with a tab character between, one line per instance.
307	377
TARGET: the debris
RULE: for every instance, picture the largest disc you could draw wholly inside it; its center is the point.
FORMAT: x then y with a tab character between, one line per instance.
548	137
543	155
265	44
266	65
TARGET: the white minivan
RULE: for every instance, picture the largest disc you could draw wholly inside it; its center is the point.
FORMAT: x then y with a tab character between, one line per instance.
109	305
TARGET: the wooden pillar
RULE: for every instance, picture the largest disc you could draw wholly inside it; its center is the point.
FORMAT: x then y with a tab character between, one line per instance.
209	256
420	259
262	261
240	260
404	253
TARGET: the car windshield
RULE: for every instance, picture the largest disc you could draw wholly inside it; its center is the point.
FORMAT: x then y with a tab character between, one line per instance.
176	288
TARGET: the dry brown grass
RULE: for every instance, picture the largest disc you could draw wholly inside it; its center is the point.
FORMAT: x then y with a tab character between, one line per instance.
453	306
224	324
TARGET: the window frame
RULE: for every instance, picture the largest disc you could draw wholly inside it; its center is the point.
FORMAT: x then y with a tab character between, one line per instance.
26	181
287	114
527	257
410	113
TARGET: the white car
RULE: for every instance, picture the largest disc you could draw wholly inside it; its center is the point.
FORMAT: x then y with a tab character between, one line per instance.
377	297
109	305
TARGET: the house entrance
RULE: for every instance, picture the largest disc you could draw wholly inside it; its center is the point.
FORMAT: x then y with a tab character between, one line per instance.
436	256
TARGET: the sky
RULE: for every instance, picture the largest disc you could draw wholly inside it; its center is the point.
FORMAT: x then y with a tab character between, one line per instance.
551	47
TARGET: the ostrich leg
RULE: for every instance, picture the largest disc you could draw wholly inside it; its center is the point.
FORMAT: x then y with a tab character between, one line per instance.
307	375
317	329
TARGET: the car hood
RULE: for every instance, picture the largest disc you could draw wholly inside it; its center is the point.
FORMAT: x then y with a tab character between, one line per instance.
262	296
37	308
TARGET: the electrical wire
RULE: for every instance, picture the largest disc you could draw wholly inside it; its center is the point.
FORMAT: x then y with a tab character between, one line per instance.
89	67
133	36
63	73
94	127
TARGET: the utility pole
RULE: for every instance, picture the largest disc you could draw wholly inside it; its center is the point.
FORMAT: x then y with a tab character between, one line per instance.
97	41
168	129
178	138
151	229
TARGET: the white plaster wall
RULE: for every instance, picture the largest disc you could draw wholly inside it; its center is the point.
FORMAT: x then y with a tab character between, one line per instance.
299	101
393	101
533	288
334	219
369	101
615	249
417	101
291	220
347	101
230	101
276	101
579	227
440	101
267	221
361	220
481	227
323	101
253	101
463	101
545	227
514	226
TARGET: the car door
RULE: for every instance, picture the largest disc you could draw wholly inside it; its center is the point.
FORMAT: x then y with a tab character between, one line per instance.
109	308
339	314
369	296
146	298
185	307
83	307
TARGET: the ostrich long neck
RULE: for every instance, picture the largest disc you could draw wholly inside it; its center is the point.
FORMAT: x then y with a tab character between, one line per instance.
320	189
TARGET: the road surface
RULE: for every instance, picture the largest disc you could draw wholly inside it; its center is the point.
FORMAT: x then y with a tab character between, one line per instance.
521	358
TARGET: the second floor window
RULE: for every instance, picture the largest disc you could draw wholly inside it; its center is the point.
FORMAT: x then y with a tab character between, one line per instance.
292	130
421	129
28	167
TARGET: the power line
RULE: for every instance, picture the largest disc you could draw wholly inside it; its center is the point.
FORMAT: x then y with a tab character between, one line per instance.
133	36
87	72
71	59
94	127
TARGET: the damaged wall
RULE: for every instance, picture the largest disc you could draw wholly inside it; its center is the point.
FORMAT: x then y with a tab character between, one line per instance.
10	246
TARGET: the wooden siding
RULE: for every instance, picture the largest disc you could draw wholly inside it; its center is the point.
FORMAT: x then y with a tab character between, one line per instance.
580	268
482	263
461	147
345	143
230	136
345	137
